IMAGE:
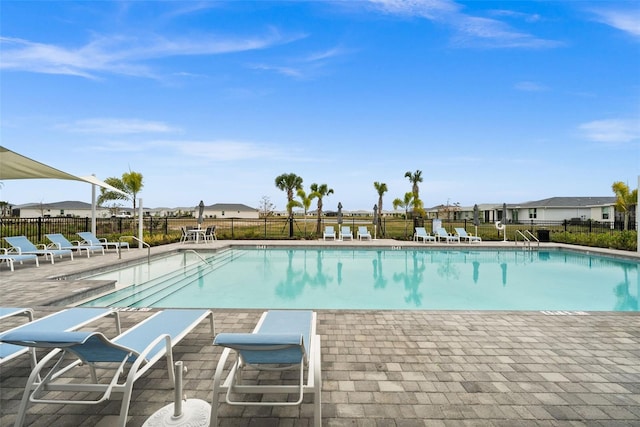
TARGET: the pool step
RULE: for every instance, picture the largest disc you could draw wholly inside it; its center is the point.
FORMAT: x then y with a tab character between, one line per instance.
157	297
128	296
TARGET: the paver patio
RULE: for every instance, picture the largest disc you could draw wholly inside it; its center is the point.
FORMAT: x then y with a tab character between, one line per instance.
380	368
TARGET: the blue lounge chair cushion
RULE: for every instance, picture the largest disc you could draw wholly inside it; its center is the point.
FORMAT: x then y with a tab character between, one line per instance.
283	337
65	320
265	348
90	347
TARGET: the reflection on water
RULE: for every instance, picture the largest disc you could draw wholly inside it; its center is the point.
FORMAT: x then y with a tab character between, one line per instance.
407	279
297	278
625	300
379	280
412	277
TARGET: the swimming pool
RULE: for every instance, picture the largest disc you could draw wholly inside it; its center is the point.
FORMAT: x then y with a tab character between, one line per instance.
403	279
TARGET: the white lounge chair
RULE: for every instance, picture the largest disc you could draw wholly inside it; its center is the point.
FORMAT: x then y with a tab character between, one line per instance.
90	239
442	234
22	246
58	241
421	233
139	348
345	233
65	320
329	232
11	259
282	340
363	233
463	235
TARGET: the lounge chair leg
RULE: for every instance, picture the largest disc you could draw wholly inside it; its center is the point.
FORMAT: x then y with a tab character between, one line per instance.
124	407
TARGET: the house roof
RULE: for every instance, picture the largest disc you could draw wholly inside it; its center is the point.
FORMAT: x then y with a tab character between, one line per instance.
68	204
568	202
230	207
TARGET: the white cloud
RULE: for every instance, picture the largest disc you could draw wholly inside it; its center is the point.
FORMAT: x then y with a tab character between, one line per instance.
471	31
117	126
231	151
305	67
612	130
123	54
623	20
528	86
482	32
287	71
527	17
430	9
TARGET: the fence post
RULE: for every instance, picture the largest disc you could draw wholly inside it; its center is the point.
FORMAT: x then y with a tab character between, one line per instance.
265	228
232	235
39	228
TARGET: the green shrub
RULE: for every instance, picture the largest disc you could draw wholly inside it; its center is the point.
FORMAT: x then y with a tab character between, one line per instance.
623	240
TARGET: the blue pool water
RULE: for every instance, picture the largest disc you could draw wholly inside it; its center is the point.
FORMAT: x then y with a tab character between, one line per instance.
380	279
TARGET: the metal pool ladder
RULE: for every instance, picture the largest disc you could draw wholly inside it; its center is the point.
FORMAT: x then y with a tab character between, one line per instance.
527	236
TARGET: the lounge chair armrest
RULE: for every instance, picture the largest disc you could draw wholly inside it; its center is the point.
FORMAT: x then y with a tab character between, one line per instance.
54	246
41	245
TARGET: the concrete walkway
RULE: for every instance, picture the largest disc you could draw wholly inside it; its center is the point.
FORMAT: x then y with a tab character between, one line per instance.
379	368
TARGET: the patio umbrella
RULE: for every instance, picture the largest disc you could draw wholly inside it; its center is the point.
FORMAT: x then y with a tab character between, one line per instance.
476	217
339	214
200	213
504	220
375	220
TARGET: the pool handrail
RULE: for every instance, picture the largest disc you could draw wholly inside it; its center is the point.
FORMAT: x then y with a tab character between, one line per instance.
137	240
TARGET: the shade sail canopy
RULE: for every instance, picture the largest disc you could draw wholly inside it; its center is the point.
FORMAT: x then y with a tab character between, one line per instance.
17	166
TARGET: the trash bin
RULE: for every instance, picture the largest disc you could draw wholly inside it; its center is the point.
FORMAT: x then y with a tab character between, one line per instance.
543	235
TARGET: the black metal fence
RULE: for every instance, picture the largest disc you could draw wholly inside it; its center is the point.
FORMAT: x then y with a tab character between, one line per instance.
165	229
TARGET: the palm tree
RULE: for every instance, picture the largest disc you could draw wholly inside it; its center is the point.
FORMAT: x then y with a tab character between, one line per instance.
407	203
289	182
625	199
319	191
381	188
130	183
414	178
305	201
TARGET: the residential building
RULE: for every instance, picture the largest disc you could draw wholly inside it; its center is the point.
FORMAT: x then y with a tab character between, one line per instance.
229	210
601	209
57	209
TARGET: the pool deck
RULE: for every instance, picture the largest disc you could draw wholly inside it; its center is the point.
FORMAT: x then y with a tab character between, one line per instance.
379	368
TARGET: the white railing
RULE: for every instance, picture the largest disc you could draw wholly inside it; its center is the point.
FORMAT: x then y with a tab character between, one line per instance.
137	240
530	234
525	239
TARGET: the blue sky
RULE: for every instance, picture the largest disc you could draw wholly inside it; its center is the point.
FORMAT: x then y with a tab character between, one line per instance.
493	101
